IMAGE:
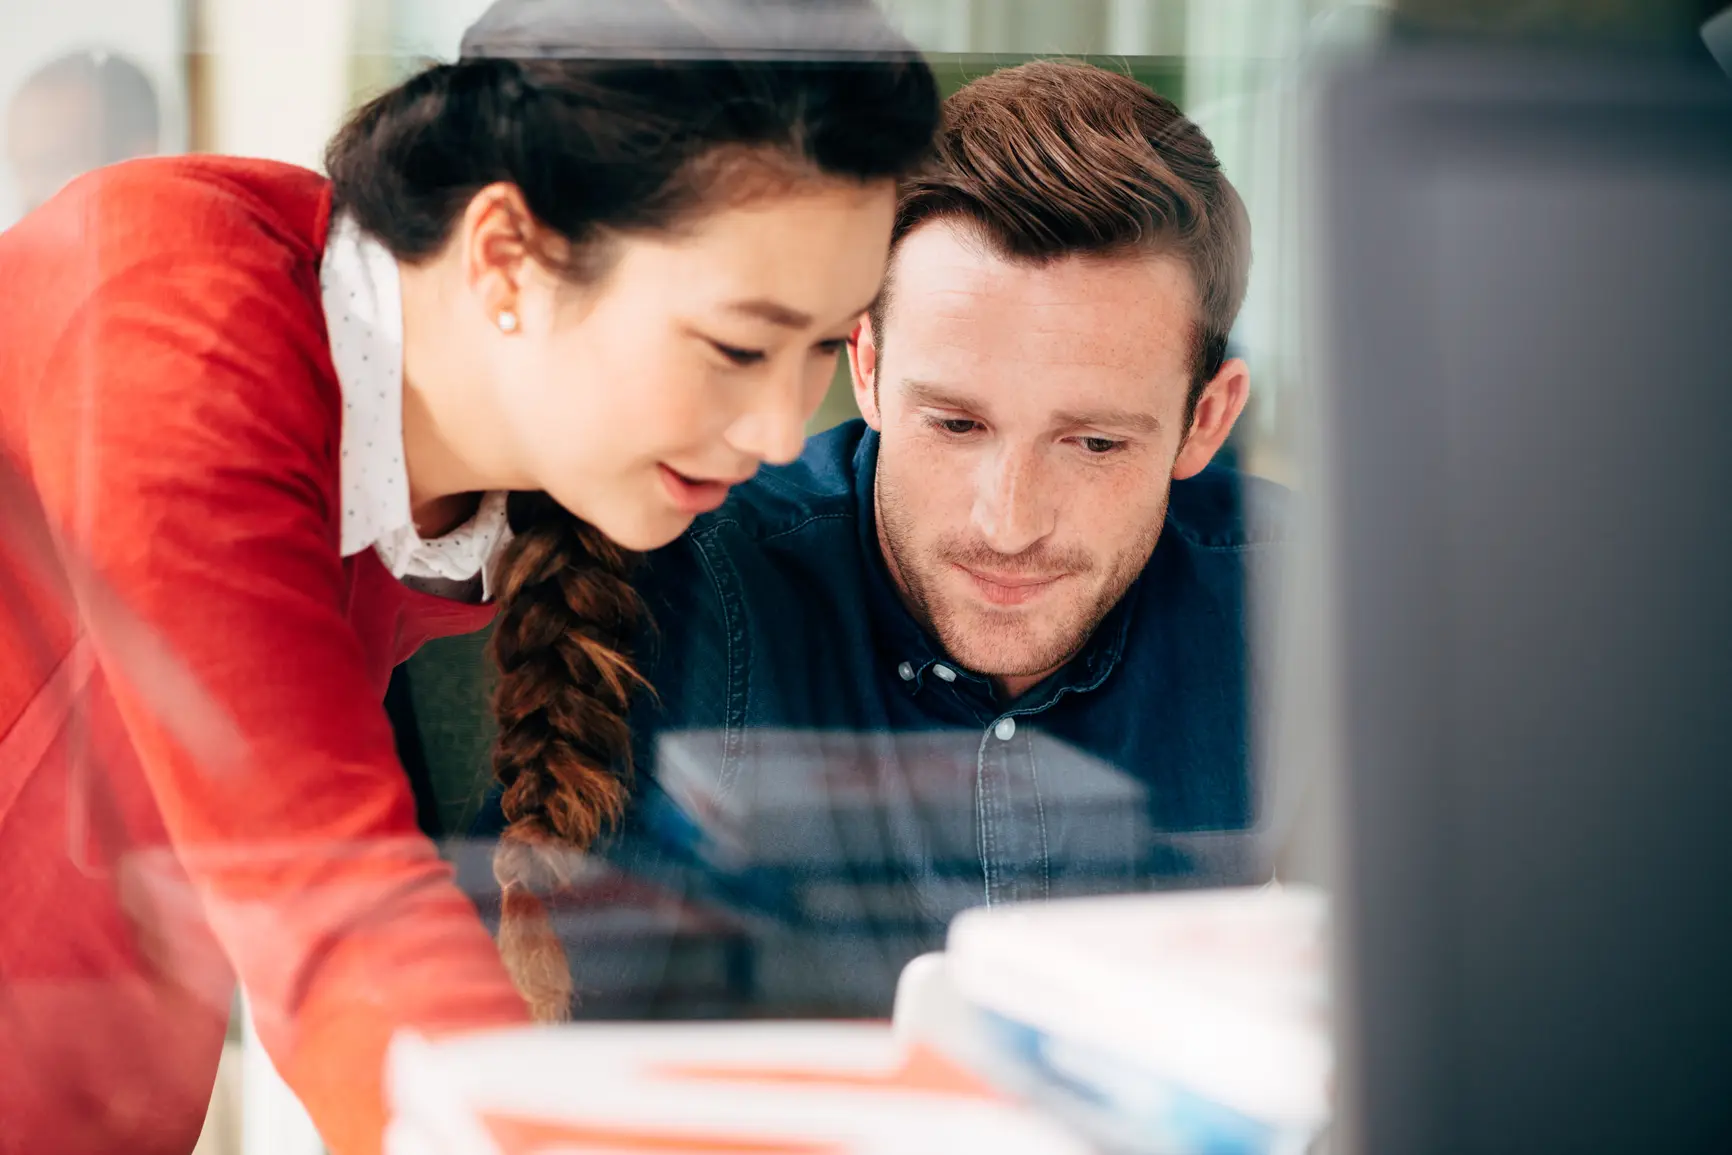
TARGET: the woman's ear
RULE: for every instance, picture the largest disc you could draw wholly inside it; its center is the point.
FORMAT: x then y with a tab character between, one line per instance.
496	239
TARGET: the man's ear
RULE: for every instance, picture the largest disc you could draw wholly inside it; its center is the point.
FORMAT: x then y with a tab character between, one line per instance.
863	367
1222	401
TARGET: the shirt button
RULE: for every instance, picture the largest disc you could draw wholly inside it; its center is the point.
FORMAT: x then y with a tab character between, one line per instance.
945	673
1005	730
907	672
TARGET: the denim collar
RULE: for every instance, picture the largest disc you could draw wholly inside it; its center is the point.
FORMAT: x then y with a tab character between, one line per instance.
900	639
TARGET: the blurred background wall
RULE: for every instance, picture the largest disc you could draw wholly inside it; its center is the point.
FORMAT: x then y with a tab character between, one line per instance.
272	79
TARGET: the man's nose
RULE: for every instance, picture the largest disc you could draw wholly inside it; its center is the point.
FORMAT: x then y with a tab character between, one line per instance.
1012	507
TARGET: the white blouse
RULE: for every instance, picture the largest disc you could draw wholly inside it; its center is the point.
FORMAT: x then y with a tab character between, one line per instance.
362	295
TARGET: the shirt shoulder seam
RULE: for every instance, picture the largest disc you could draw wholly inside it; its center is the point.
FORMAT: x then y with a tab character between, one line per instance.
713	526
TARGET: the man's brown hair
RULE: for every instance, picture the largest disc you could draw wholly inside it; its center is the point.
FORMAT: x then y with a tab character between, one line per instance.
1059	158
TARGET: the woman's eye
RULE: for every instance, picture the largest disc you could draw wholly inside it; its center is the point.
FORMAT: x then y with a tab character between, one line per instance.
832	348
1100	445
741	357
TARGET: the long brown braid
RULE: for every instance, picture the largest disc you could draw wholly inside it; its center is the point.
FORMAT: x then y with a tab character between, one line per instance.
566	623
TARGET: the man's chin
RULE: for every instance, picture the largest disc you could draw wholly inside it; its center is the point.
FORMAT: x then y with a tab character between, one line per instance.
1001	643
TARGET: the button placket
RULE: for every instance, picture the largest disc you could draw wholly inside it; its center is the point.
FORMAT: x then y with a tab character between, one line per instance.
1011	817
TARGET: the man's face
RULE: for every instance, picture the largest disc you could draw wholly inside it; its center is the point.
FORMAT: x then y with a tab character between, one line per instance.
1032	421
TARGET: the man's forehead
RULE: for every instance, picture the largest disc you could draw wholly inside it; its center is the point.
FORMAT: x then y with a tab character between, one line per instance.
953	299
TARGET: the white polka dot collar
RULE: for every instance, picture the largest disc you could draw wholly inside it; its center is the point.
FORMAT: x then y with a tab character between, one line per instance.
363	302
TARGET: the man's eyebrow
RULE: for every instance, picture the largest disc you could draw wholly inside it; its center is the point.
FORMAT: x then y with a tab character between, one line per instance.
934	396
1129	420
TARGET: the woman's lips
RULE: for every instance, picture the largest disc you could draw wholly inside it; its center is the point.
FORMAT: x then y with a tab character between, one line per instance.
695	495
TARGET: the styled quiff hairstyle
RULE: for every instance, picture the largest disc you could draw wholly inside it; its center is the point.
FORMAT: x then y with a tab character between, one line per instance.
1055	159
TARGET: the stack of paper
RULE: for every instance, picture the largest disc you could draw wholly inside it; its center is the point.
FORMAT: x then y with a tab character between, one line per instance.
824	823
774	1089
1192	1022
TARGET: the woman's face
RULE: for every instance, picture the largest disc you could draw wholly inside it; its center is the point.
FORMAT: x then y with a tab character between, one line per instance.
637	401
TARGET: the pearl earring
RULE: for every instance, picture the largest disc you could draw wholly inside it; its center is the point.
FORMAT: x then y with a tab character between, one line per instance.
507	321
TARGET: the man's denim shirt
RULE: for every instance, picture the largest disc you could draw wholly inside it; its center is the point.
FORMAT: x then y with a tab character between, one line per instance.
815	764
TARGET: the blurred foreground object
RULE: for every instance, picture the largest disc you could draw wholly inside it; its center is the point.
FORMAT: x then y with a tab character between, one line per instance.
1527	318
772	1089
1608	23
1717	35
1171	1024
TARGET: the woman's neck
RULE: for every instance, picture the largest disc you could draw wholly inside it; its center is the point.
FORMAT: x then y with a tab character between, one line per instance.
444	421
443	492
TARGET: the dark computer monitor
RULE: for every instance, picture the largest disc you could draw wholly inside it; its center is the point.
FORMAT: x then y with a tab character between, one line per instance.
1526	480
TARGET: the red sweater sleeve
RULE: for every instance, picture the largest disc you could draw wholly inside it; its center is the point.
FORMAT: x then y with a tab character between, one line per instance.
183	439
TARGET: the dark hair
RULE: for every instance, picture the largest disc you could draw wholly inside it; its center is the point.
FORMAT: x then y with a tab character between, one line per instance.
125	97
1060	158
613	142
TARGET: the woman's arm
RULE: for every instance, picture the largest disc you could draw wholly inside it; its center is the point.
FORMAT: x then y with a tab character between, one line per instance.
181	446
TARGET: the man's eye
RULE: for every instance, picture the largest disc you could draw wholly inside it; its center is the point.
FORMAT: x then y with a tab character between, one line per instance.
957	426
1100	446
741	357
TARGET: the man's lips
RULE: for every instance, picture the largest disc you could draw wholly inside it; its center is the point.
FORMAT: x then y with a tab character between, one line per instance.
1009	589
